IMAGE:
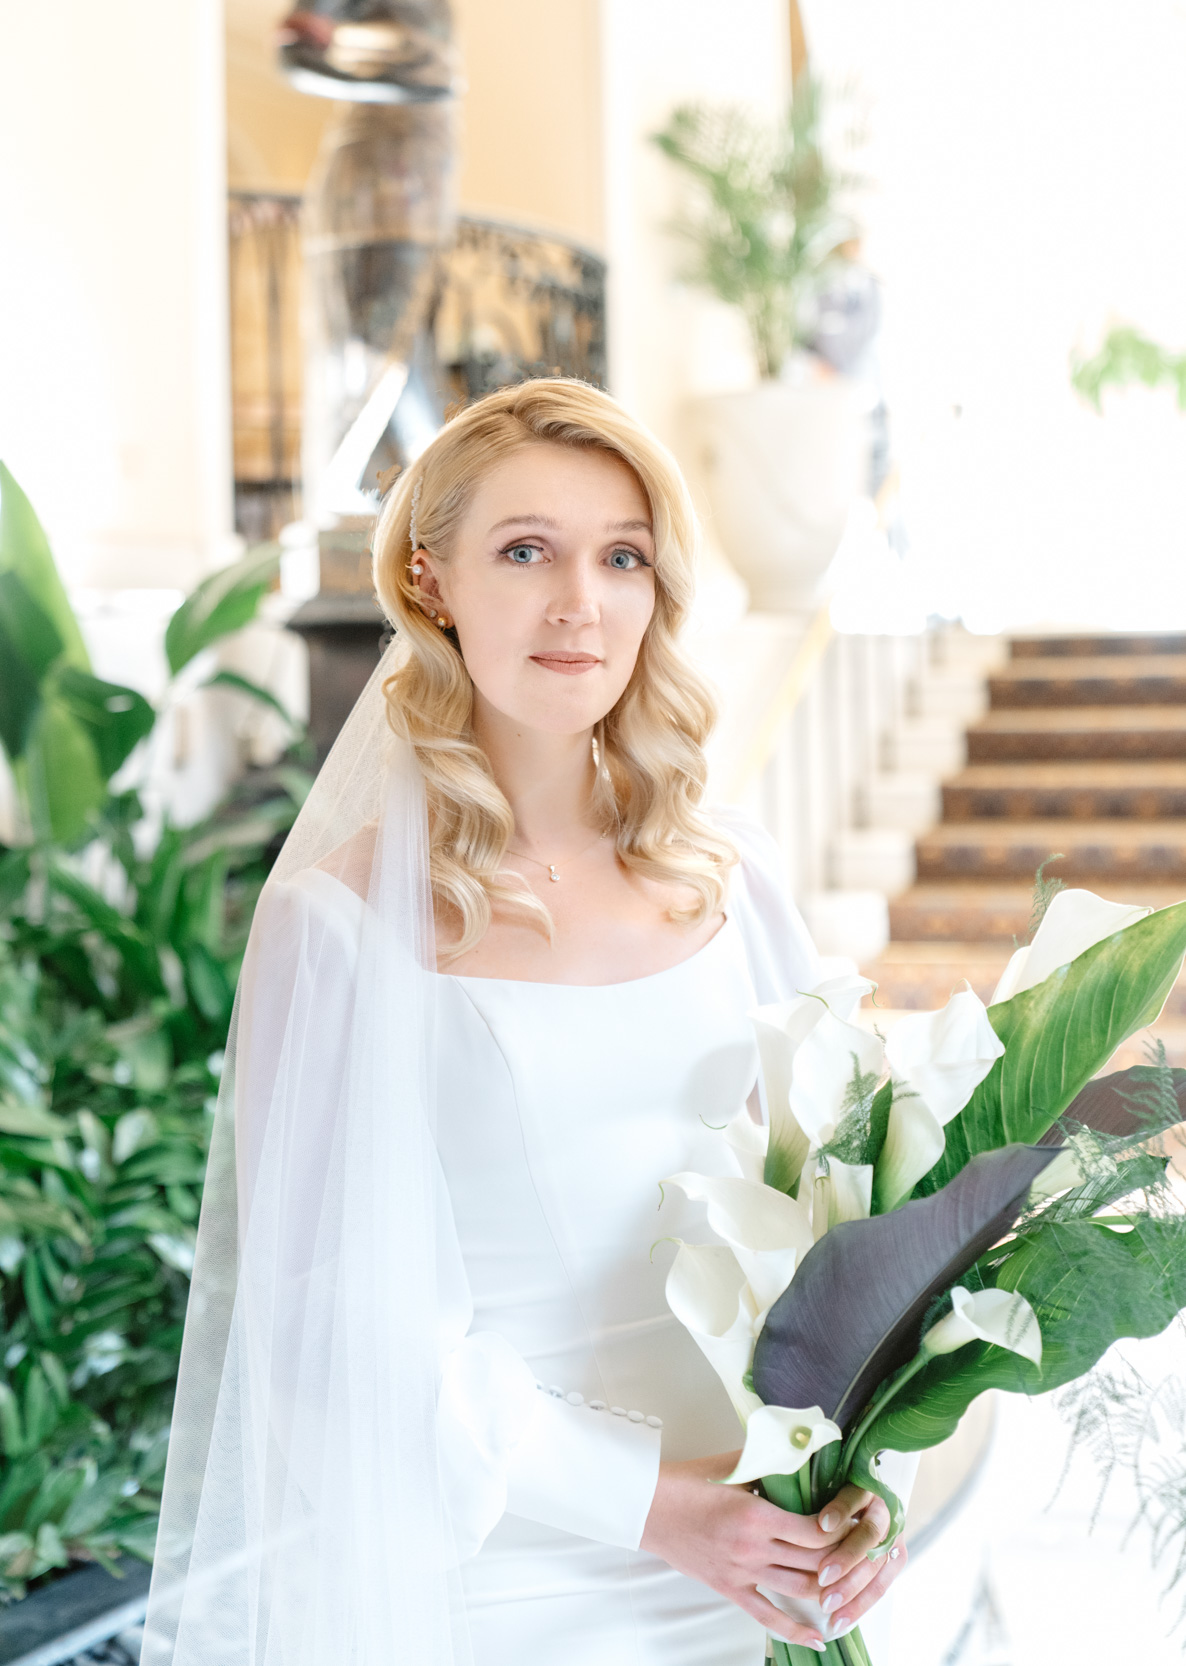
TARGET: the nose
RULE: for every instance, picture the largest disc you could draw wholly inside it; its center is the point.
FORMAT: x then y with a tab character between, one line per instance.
575	600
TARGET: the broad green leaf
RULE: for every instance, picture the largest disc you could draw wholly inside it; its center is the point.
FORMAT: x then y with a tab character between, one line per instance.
29	644
222	603
1089	1283
1058	1034
17	1118
64	782
254	691
854	1309
25	551
115	718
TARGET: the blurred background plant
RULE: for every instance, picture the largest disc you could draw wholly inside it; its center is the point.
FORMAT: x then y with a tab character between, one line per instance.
770	225
1126	357
119	950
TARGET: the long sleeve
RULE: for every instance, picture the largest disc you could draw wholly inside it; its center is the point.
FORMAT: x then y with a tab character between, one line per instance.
504	1441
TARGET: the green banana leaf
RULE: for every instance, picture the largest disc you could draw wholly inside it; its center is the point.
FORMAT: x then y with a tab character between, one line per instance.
24	551
1059	1034
1089	1282
222	603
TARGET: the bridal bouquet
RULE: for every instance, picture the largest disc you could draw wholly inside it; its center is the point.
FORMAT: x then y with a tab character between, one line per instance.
957	1208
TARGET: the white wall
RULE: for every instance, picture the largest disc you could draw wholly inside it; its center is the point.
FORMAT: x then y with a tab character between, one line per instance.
114	395
1027	165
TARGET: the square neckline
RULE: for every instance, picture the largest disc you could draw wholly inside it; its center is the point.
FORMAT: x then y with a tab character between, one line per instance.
619	983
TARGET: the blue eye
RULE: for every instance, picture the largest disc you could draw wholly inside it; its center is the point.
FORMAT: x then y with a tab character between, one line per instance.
625	560
522	554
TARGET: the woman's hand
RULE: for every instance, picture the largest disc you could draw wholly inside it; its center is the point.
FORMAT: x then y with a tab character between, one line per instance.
733	1541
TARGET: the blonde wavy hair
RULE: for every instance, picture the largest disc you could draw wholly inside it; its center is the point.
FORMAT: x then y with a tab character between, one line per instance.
651	770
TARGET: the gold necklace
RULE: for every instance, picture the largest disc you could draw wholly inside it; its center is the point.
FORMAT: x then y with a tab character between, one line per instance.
551	866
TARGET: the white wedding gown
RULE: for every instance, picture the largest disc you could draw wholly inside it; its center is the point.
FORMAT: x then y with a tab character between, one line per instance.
560	1108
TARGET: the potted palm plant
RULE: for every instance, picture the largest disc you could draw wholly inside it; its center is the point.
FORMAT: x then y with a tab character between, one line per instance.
784	460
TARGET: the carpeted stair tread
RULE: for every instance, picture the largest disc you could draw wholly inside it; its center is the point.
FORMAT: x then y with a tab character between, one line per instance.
1105	679
1078	733
1086	791
1091	647
988	913
1092	851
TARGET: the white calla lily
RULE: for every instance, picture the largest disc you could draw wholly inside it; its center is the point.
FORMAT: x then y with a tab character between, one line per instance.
844	1193
1002	1317
1074	922
780	1440
766	1230
945	1055
747	1141
938	1059
914	1143
823	1070
708	1293
780	1030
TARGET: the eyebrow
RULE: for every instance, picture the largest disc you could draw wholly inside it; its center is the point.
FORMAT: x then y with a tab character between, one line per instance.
554	526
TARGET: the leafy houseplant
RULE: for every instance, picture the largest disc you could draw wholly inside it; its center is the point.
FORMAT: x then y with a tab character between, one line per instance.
769	228
784	462
115	996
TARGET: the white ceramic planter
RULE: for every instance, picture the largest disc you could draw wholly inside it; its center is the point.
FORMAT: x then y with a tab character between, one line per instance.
783	466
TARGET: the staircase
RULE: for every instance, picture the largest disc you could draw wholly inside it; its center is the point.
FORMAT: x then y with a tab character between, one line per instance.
1081	753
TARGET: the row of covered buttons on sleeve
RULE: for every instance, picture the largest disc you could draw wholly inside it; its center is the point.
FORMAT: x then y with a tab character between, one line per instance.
575	1399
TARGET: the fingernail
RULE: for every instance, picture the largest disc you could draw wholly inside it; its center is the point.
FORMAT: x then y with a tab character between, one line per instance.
894	1554
832	1601
829	1519
820	1648
830	1573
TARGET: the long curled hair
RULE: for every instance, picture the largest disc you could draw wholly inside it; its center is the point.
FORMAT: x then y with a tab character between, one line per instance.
649	746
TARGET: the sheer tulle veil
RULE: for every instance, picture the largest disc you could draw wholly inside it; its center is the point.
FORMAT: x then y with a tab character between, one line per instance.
303	1518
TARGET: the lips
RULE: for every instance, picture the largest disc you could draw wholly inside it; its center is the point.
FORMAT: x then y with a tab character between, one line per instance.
568	665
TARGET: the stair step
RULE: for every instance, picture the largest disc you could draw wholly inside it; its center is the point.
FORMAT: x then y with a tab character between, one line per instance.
1106	680
1083	732
987	913
1085	791
1092	851
1093	647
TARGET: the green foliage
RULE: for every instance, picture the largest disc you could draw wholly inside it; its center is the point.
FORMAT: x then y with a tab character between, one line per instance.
1089	1282
1059	1033
1126	357
222	603
117	977
769	226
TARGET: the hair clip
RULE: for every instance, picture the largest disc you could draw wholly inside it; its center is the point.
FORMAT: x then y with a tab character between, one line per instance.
412	516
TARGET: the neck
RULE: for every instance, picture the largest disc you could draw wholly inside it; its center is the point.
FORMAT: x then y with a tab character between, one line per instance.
547	780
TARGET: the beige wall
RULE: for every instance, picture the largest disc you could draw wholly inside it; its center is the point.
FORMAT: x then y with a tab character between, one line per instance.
531	117
114	400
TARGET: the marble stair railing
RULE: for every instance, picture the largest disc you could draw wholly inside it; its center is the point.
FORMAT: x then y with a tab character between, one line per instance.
838	743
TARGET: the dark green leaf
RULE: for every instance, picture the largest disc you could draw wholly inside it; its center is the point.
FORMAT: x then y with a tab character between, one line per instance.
853	1312
25	551
222	603
28	646
115	718
1060	1033
1089	1285
254	691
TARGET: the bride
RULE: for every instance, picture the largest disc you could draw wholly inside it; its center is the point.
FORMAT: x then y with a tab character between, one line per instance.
432	1405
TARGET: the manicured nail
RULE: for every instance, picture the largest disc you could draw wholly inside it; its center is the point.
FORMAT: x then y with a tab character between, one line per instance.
820	1648
829	1519
894	1554
830	1574
831	1601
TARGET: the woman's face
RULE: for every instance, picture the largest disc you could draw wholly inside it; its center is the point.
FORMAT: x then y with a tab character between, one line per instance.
550	585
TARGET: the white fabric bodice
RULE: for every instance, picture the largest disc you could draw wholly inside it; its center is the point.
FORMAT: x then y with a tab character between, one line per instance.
560	1109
